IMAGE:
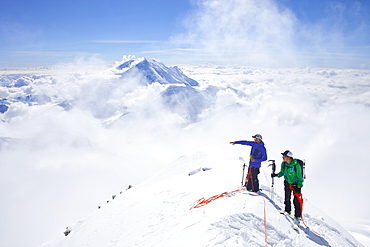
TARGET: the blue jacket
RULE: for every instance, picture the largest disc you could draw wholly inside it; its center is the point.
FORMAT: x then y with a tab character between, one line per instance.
258	152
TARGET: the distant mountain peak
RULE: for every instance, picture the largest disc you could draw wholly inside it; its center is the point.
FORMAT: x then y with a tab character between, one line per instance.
153	70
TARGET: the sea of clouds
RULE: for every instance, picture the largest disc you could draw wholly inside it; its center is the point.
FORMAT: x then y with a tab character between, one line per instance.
98	134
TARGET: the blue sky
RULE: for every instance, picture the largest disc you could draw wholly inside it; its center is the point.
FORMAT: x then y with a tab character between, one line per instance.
286	33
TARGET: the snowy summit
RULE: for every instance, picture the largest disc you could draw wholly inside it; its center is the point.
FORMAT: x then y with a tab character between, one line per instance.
153	71
160	212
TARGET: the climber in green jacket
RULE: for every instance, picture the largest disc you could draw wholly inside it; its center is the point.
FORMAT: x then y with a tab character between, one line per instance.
293	182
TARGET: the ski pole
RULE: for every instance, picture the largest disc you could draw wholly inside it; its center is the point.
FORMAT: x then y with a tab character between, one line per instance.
273	166
241	158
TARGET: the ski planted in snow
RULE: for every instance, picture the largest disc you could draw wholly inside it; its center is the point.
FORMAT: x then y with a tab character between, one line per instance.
291	221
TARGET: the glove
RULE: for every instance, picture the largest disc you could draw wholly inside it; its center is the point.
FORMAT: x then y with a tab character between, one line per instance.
273	175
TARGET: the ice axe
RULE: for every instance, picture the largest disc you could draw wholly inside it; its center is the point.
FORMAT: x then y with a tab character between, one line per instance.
273	166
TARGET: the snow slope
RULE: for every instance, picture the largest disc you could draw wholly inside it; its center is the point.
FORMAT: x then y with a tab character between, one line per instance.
157	212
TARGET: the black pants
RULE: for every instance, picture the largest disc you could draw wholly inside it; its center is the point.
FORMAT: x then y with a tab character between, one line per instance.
288	195
252	182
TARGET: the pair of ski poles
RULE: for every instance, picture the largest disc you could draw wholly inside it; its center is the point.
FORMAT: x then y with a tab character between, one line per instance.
273	166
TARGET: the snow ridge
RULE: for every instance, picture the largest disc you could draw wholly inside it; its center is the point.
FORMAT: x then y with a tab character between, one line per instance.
157	212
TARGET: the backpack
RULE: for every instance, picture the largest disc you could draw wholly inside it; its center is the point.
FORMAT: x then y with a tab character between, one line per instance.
302	163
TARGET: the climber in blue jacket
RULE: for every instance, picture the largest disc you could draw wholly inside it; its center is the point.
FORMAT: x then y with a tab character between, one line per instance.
257	155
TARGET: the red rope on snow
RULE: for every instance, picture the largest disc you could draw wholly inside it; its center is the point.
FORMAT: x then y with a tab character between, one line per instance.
203	201
264	217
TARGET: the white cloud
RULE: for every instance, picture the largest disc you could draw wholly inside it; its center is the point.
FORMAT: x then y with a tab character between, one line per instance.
252	30
268	33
